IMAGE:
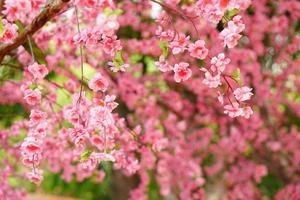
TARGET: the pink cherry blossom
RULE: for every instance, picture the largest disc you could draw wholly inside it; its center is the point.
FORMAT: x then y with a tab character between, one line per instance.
231	34
36	117
121	68
38	71
162	65
247	112
111	45
98	83
243	93
32	97
198	49
35	176
10	32
210	80
31	146
179	44
182	72
233	110
219	63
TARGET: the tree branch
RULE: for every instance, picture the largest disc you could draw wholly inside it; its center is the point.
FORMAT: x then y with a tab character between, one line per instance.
50	10
1	6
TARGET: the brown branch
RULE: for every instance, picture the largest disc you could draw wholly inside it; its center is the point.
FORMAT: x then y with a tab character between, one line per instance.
1	6
50	10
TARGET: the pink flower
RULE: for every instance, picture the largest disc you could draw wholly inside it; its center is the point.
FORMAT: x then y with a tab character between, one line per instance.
104	157
121	68
163	65
109	101
219	63
98	83
179	44
38	71
111	45
36	117
247	112
198	49
167	35
230	35
182	72
30	160
233	110
237	20
16	10
10	32
259	172
32	97
35	176
243	93
98	141
91	163
31	146
212	13
210	80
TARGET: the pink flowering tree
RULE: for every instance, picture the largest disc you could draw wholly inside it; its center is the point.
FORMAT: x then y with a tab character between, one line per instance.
150	99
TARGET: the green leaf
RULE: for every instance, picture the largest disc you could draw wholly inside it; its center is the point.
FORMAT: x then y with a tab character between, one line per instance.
236	75
2	30
37	52
151	68
118	12
135	58
229	15
109	12
118	59
85	155
88	71
164	48
270	185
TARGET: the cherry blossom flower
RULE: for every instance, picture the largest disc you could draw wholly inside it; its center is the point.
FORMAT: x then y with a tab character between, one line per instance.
198	49
210	80
38	71
32	97
162	65
31	146
219	63
36	117
98	83
179	44
237	20
10	32
111	45
121	68
15	10
231	34
243	93
35	176
247	112
233	110
182	72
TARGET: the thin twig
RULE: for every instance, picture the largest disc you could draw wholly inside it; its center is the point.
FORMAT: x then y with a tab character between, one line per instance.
81	56
31	49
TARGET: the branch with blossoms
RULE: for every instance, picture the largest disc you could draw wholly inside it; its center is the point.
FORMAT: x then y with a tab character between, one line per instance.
178	43
51	9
